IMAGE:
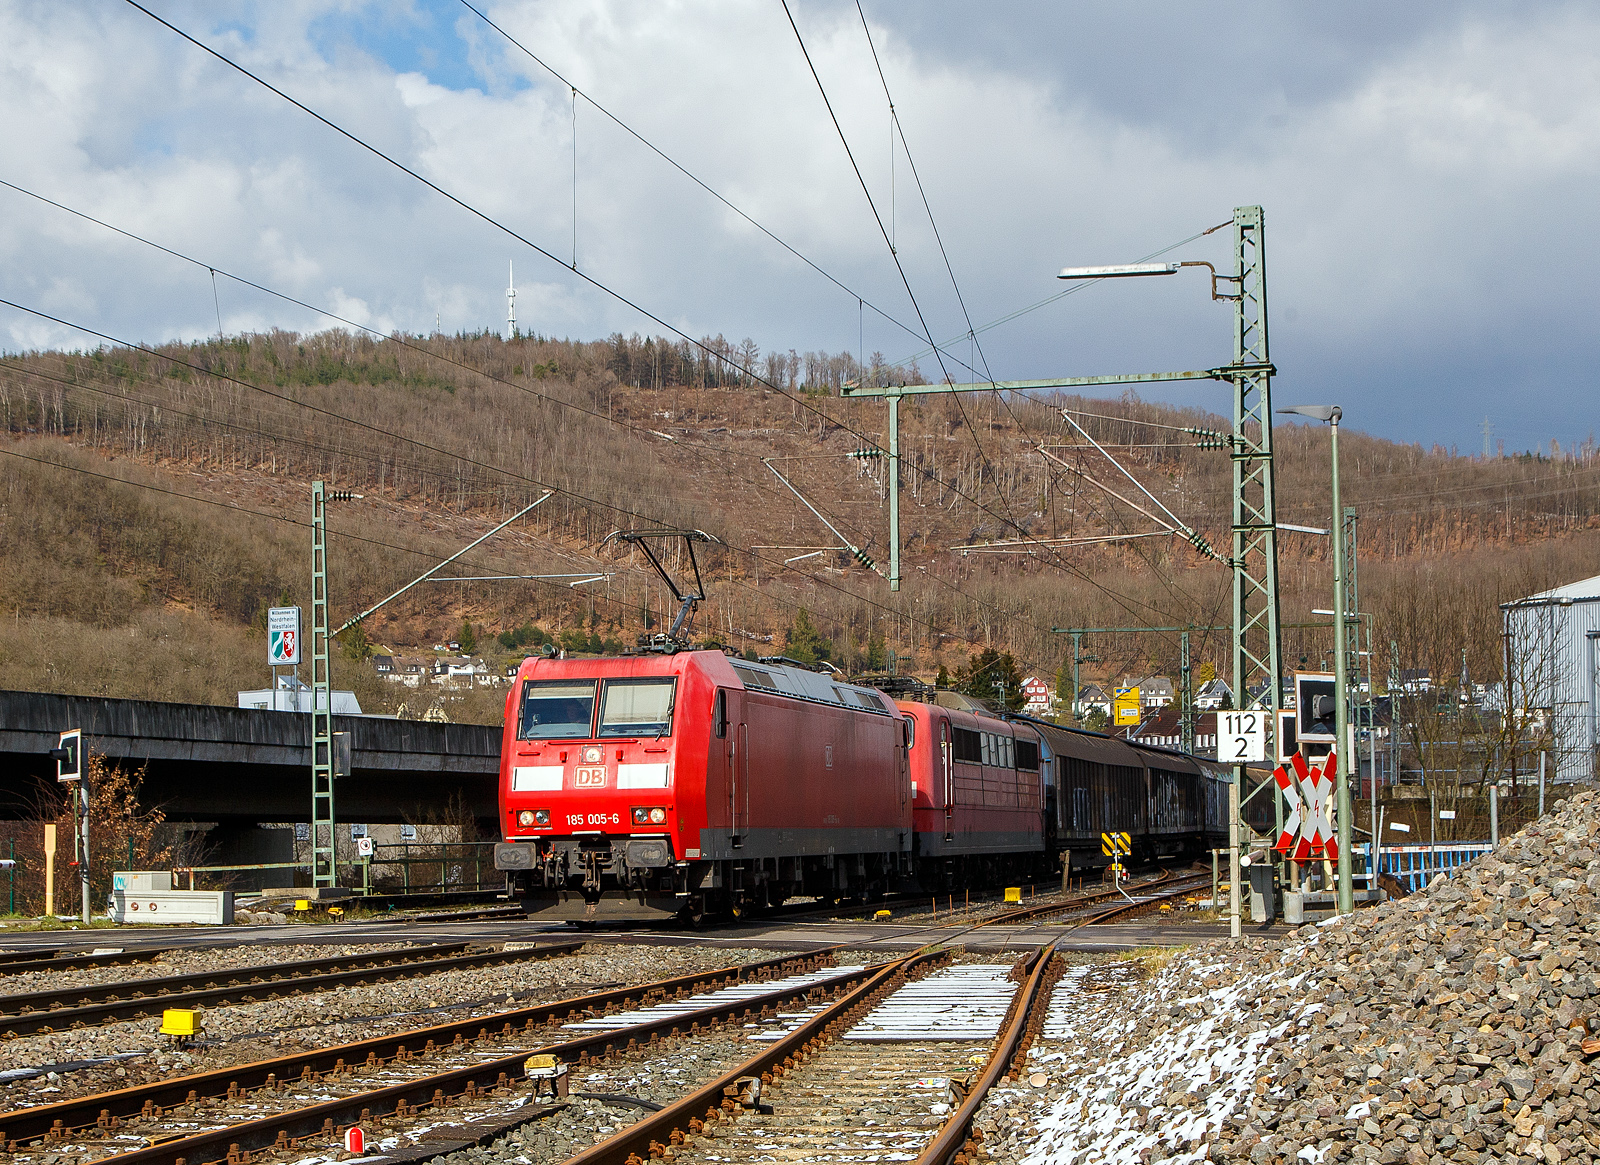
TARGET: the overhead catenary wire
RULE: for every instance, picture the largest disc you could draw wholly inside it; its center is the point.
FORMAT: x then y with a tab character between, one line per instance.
1126	602
893	254
938	237
512	474
686	172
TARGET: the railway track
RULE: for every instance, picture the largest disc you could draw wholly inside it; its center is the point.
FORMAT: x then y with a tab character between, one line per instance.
168	1110
815	1087
23	962
50	1011
827	1091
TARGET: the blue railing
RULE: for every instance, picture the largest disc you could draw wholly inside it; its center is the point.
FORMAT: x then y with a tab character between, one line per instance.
1416	865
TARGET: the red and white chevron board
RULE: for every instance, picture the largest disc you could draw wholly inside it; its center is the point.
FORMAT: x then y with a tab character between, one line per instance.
1308	833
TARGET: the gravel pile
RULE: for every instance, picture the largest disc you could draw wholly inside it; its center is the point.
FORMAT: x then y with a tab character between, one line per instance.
253	1031
1448	1026
191	961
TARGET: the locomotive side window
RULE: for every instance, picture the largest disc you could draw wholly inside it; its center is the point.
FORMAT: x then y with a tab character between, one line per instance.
1027	754
637	708
556	709
968	745
719	713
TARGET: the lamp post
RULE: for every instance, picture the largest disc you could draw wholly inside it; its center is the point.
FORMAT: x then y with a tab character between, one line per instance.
1253	557
1341	711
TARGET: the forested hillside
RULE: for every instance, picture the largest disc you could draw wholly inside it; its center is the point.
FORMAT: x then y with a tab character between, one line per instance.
156	502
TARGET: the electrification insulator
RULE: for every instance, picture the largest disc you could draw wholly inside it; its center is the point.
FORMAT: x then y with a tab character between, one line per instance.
865	559
1211	439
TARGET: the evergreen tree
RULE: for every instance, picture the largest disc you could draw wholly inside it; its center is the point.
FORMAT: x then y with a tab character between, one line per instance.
467	638
803	641
994	677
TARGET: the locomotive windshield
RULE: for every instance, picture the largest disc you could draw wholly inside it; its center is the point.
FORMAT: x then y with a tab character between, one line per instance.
553	709
637	708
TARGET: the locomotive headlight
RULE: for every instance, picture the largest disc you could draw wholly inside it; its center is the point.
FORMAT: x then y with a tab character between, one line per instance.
541	817
646	816
658	817
525	818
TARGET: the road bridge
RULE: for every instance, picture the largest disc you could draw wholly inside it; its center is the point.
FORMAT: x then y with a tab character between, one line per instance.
240	766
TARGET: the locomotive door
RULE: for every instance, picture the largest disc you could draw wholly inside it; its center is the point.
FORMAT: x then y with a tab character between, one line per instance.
733	739
947	759
739	787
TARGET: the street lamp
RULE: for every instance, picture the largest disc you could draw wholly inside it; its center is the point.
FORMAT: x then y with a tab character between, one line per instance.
1341	715
1118	271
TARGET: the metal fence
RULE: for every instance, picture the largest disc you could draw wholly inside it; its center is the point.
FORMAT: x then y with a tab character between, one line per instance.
1416	865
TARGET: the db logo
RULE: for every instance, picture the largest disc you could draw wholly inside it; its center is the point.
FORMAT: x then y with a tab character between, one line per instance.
586	778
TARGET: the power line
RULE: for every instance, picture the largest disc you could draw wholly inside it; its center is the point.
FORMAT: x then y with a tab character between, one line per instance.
583	499
893	253
799	402
698	181
938	237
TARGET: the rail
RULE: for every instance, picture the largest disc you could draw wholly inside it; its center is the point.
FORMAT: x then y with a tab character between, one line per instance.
714	1101
955	1135
52	1011
439	1091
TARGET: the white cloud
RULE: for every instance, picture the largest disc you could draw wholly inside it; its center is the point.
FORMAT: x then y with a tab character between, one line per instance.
1428	189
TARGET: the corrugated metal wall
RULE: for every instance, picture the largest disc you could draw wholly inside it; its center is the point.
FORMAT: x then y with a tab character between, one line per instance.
1553	648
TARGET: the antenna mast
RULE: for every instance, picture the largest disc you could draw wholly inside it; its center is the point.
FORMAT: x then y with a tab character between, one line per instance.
511	300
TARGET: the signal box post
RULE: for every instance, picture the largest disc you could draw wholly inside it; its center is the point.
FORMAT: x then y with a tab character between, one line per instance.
68	755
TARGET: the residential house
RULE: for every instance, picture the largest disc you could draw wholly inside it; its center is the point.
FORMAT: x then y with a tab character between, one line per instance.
1091	698
1038	696
1213	694
1154	691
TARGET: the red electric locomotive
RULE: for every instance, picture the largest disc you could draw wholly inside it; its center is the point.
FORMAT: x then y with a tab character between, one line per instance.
688	782
979	796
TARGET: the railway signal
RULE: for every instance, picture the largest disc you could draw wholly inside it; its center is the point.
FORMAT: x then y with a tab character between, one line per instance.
1116	846
68	755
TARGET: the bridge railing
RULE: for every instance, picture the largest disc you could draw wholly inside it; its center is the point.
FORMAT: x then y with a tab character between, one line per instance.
457	865
453	862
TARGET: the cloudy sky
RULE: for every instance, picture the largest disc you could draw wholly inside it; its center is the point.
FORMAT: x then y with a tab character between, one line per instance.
1427	172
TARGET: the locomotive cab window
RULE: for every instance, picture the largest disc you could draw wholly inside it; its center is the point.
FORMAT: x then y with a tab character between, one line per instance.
637	708
556	710
719	713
